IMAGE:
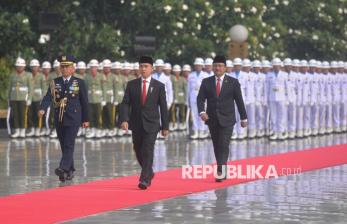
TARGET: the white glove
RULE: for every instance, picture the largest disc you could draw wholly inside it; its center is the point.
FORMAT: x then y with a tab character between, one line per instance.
28	102
115	103
103	103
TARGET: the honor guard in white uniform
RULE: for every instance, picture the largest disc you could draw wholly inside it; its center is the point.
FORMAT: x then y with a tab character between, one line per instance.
249	97
291	96
239	132
194	81
314	96
329	97
276	87
299	108
229	66
343	88
208	67
260	98
266	69
336	96
306	97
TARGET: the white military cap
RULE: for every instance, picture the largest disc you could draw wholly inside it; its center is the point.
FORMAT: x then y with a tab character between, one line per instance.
107	63
303	63
176	68
81	65
56	63
325	64
167	66
20	62
319	64
208	61
187	68
34	63
127	66
296	62
199	61
276	61
334	64
46	64
266	64
116	65
229	64
341	64
288	62
93	63
246	62
237	61
159	62
256	64
136	66
312	63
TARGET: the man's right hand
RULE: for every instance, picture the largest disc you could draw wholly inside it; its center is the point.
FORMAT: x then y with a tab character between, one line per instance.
41	113
204	116
125	126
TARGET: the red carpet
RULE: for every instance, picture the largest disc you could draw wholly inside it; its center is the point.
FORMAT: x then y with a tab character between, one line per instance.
72	202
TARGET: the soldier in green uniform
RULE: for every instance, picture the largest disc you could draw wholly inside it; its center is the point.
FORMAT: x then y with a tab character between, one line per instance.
108	111
119	80
178	112
47	77
19	95
38	84
96	96
81	70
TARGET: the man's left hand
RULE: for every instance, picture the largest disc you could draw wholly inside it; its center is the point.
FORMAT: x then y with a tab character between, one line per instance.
85	124
165	133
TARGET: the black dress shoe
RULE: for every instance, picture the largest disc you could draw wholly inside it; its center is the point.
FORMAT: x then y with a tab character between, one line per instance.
61	174
70	176
220	179
143	185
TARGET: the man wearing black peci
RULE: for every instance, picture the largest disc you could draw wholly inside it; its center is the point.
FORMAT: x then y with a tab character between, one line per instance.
221	92
142	100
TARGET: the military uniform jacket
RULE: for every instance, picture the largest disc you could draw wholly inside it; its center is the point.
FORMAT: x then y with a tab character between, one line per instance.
20	88
109	87
118	87
179	89
38	82
96	93
76	109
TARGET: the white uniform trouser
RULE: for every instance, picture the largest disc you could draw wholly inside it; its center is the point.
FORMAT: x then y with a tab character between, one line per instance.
343	114
314	116
260	117
292	117
336	115
266	118
250	108
278	116
322	116
300	117
237	128
329	116
198	124
307	117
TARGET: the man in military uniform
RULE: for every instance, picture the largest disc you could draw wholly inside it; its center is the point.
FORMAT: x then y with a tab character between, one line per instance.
38	82
179	84
208	67
70	101
260	98
56	73
19	95
119	80
96	96
108	115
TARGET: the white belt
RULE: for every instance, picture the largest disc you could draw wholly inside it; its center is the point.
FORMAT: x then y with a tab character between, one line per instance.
98	92
120	92
22	89
181	94
109	92
39	91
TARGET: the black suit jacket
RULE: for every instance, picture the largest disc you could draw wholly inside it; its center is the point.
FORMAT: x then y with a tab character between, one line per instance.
147	115
221	110
75	91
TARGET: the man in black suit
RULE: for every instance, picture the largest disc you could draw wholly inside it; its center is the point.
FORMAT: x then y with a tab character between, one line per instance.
143	98
221	92
70	101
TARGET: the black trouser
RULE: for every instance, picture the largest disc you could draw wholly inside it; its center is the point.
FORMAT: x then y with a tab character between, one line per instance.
95	119
144	150
33	121
67	136
108	116
18	112
221	140
181	113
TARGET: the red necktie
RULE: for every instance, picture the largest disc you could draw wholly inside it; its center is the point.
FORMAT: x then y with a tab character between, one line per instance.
144	93
218	86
